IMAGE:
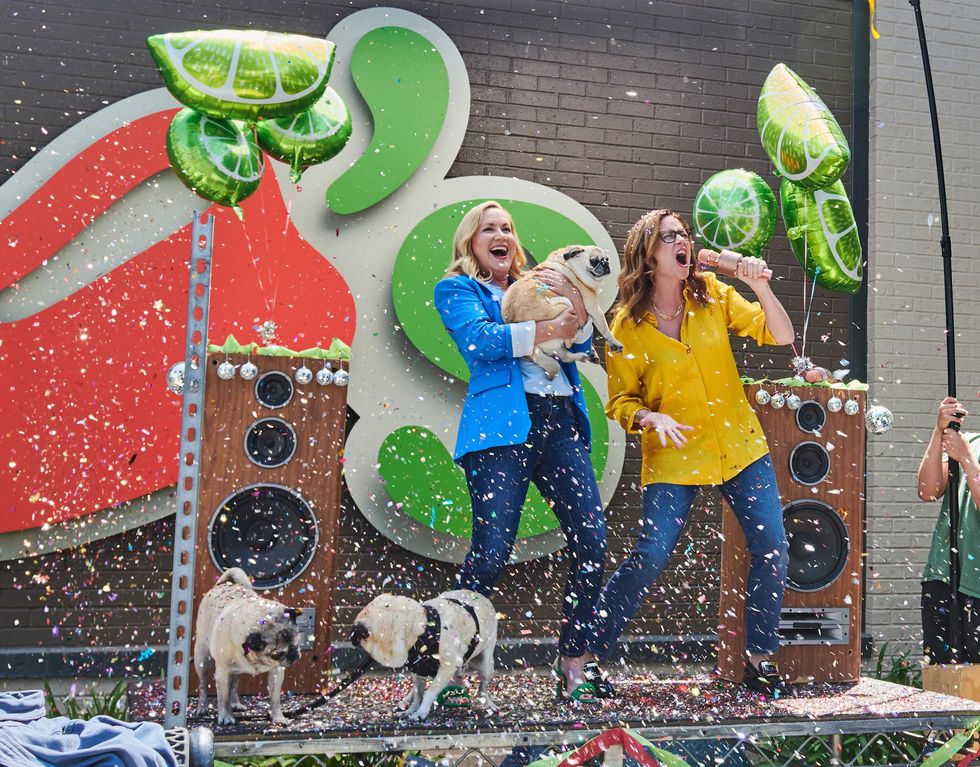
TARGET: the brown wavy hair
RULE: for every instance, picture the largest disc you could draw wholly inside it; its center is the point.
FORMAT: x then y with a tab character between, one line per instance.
464	260
638	278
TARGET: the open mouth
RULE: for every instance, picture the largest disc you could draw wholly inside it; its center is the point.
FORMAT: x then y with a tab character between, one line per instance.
683	258
498	251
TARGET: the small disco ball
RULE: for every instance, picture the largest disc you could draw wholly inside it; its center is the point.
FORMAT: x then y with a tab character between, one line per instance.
851	407
834	404
793	402
175	378
226	371
777	400
324	377
341	377
248	371
878	419
762	397
303	375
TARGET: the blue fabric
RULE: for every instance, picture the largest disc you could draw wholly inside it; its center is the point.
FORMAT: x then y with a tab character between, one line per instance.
753	496
27	739
495	410
555	457
98	742
21	705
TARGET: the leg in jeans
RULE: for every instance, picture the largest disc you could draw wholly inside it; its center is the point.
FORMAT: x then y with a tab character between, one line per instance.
565	477
498	478
754	497
665	510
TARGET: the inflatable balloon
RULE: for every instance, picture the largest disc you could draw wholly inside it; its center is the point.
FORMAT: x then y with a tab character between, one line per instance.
735	209
217	159
243	74
823	234
309	137
799	133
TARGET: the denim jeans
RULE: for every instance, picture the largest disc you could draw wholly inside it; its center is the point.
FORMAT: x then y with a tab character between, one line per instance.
555	458
753	496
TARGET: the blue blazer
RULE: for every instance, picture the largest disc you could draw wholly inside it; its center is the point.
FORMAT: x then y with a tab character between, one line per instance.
495	411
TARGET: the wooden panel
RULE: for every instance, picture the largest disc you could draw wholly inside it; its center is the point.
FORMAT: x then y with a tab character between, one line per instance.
317	414
843	436
961	681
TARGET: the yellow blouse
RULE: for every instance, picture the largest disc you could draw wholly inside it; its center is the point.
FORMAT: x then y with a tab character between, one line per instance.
695	381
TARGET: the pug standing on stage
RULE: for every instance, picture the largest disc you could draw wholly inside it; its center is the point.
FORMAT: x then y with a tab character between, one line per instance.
239	632
433	640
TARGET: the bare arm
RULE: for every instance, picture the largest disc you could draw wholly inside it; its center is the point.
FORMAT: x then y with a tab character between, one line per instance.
777	320
933	470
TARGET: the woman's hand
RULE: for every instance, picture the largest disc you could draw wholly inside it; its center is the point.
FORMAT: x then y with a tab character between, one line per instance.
665	426
750	271
565	326
563	286
950	411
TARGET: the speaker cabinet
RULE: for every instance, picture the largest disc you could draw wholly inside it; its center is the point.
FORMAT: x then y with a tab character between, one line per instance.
270	495
819	458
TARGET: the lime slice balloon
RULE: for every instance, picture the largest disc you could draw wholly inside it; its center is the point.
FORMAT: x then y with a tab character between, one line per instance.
735	209
309	137
823	234
799	133
217	159
243	74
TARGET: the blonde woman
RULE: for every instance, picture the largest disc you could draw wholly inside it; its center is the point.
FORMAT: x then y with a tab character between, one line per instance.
518	426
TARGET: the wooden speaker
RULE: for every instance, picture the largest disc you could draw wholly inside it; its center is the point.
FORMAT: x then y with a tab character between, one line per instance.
269	495
818	455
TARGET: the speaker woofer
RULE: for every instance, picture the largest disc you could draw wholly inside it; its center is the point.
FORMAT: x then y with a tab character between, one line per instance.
818	545
270	442
269	531
274	389
809	463
811	417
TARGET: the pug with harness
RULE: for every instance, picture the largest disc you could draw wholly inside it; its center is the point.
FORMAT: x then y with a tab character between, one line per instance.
434	640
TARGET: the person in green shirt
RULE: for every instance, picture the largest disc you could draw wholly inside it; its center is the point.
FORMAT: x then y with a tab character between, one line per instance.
964	448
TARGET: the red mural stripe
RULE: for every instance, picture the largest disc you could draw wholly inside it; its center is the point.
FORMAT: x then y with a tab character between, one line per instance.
84	188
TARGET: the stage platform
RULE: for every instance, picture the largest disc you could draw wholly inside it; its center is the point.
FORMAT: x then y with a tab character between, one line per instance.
362	718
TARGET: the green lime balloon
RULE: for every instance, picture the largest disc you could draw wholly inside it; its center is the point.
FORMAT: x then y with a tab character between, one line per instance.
243	74
309	137
799	133
217	159
735	209
823	234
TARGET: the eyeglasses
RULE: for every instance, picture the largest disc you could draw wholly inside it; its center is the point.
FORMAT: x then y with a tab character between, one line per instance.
671	237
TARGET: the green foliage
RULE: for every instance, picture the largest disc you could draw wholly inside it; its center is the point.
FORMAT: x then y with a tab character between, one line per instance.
94	703
897	668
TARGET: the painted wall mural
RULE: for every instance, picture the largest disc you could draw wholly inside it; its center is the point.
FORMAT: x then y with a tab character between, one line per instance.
95	275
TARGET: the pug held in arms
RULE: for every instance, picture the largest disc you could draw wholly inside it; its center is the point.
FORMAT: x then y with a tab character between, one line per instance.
530	299
239	632
433	640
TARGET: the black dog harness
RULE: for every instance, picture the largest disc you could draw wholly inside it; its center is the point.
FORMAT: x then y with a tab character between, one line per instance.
423	657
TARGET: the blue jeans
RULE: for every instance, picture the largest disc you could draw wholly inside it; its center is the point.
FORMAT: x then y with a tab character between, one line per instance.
753	496
555	457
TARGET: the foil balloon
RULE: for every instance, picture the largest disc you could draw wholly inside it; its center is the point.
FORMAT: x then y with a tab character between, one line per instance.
799	133
823	234
735	210
217	159
309	137
243	74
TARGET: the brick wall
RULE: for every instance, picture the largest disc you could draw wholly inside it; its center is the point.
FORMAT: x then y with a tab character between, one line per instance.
624	105
906	321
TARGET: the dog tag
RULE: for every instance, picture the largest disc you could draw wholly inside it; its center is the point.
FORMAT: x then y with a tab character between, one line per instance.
306	623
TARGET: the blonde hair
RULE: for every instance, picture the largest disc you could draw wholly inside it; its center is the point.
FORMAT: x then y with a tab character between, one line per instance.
638	278
464	260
